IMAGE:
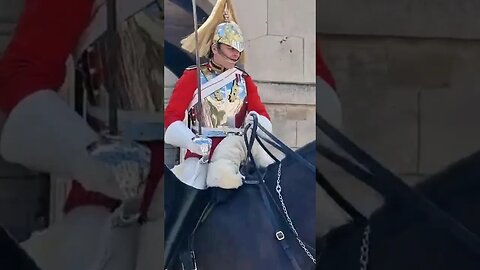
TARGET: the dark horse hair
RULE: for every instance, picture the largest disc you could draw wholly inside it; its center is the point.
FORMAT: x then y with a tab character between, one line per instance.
238	233
401	239
12	256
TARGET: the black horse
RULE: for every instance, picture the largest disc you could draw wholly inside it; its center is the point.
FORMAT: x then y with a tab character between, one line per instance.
239	232
12	256
402	236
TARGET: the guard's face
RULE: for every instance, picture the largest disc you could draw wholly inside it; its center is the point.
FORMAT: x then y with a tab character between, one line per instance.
225	55
230	52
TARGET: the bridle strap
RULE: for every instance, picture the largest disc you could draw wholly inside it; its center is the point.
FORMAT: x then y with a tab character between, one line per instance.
394	189
357	217
274	141
273	209
274	218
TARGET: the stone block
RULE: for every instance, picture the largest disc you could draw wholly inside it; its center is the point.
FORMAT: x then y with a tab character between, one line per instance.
424	64
284	93
297	113
286	132
292	18
306	132
277	112
432	19
354	61
276	59
380	117
384	124
465	66
309	64
252	18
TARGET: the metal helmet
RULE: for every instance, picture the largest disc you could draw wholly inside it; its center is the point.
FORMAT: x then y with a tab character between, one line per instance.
229	33
220	27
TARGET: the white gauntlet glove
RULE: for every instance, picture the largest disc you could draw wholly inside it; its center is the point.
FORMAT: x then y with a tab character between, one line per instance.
178	134
200	145
262	120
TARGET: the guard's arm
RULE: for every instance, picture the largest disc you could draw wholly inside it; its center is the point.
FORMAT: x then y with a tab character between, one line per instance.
255	105
177	133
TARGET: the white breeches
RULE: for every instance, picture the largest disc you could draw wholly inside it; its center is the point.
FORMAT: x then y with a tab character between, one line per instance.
192	173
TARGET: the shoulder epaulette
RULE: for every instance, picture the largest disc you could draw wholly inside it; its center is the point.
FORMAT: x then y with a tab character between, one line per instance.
241	69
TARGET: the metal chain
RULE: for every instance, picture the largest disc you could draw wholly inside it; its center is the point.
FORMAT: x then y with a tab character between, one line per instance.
278	188
364	249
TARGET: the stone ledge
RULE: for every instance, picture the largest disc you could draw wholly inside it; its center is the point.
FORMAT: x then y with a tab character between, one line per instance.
283	93
278	93
441	18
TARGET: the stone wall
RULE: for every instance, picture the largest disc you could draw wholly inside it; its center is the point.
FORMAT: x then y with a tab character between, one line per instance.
407	76
408	18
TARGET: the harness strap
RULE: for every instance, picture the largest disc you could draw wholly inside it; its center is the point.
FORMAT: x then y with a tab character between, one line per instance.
284	148
344	204
281	216
280	233
186	254
276	143
267	197
392	187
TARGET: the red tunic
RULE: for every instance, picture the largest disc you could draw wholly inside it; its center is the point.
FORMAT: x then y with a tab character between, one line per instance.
183	94
47	33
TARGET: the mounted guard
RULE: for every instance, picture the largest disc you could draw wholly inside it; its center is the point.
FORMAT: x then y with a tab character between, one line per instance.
220	99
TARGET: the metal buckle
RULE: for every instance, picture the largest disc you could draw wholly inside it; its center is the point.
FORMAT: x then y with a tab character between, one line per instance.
280	236
219	132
